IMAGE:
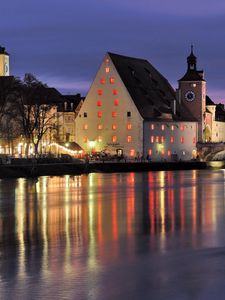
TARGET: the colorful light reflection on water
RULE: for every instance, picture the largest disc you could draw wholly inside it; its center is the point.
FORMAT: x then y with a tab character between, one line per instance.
113	236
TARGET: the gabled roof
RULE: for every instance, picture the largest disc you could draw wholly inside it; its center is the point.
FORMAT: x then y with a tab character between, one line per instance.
192	75
209	101
150	90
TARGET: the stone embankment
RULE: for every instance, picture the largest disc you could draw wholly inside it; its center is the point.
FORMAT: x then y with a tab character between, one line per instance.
35	169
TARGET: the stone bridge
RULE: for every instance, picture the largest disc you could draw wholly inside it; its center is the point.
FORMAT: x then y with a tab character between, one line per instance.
211	151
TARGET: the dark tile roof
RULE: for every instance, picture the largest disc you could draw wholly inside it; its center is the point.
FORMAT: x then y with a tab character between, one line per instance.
72	101
45	95
209	101
150	90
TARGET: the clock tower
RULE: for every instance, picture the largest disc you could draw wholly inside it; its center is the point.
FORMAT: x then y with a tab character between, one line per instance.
192	92
4	62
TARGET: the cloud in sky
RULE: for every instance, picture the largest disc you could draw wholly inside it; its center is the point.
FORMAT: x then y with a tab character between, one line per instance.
63	42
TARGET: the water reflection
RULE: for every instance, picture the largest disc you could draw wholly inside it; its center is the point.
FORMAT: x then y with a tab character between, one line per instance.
76	225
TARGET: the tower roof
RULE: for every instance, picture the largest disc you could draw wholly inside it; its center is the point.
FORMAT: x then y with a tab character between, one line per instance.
2	50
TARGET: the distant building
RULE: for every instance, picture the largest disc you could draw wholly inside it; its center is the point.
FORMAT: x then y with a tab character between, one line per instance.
4	62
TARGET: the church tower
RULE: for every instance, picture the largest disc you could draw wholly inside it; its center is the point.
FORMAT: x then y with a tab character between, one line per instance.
192	92
4	62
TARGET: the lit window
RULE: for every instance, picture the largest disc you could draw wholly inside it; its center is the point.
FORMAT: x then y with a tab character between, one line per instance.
182	127
85	115
162	139
113	126
99	114
116	102
152	139
132	152
99	103
99	126
129	126
157	139
194	140
182	139
112	80
114	138
152	126
99	92
172	139
129	139
169	153
150	152
99	139
102	80
85	139
107	69
172	127
85	127
115	92
163	127
107	61
114	114
163	151
129	114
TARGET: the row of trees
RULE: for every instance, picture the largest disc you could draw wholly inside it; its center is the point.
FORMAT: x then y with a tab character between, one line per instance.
25	111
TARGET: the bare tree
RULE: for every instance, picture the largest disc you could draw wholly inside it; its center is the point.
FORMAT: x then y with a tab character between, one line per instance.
37	112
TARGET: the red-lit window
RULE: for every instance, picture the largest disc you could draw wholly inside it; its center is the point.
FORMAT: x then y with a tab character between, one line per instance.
99	126
163	151
113	126
114	138
150	152
85	139
194	140
102	80
182	127
129	126
115	92
99	92
152	139
111	80
99	139
107	70
152	126
172	127
116	102
132	152
106	60
99	103
129	139
85	127
157	139
163	127
169	153
162	139
172	139
99	114
114	114
182	139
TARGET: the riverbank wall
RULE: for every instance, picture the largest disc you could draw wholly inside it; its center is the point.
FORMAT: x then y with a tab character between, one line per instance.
58	169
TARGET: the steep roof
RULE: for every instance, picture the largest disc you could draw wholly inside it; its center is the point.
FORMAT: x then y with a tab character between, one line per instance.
2	51
192	75
150	90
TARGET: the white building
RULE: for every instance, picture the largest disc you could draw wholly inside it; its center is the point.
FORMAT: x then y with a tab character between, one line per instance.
131	109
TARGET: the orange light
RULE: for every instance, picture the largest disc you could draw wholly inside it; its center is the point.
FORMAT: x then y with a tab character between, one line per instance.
129	126
113	126
114	114
99	126
99	92
107	70
112	80
115	92
114	138
99	103
85	127
99	114
132	152
129	139
116	102
102	80
172	139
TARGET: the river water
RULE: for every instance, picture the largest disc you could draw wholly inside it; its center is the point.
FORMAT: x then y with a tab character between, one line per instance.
156	235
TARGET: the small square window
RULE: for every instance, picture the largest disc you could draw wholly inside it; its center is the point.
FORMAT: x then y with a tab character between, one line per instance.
102	80
157	139
172	127
99	126
163	127
116	102
85	139
99	114
85	115
129	126
172	139
150	152
114	138
168	153
85	127
152	139
111	80
162	139
114	114
107	70
99	92
113	126
99	103
182	139
129	139
132	152
129	114
115	92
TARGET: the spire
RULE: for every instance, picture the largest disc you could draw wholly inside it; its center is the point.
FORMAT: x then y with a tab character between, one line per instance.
192	60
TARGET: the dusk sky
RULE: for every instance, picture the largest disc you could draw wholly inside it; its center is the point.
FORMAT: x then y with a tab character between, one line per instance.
63	42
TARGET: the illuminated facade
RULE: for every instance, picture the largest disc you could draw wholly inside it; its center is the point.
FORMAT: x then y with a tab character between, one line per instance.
127	98
4	62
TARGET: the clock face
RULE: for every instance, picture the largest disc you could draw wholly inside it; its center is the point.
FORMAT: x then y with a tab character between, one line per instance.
190	96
